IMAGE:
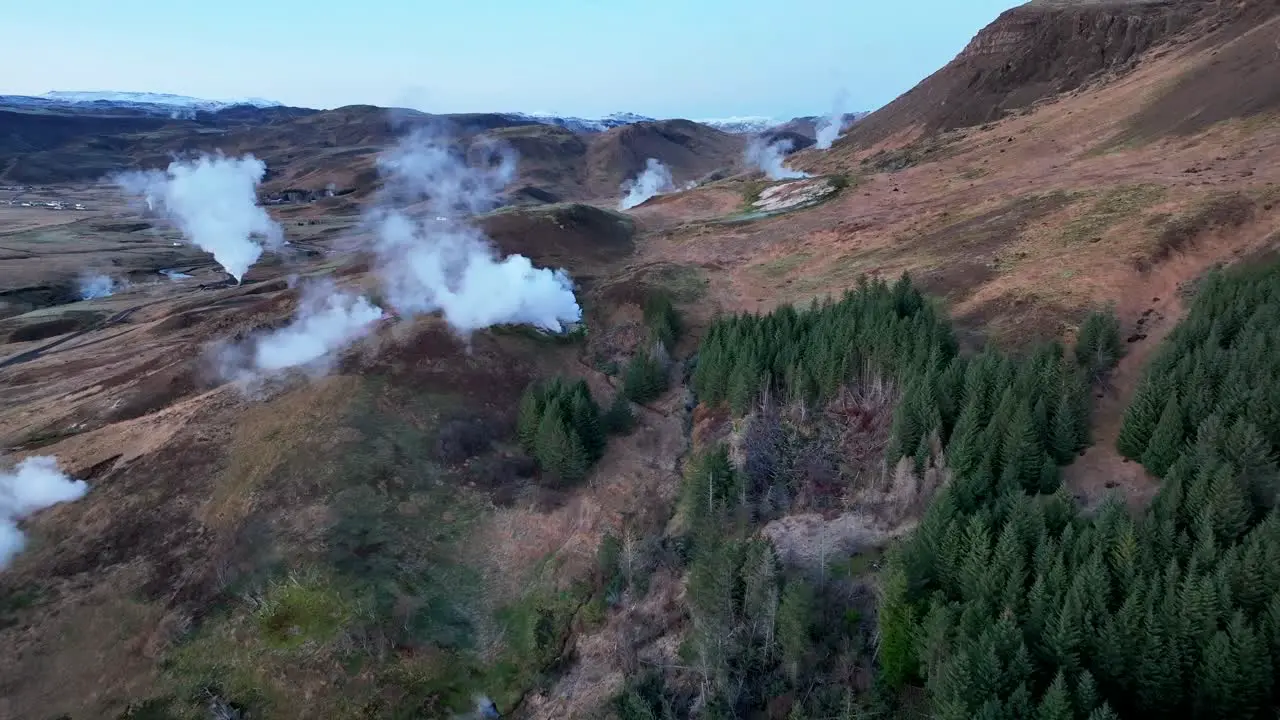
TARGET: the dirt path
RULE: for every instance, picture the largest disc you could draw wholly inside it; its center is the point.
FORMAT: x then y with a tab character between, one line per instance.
1149	309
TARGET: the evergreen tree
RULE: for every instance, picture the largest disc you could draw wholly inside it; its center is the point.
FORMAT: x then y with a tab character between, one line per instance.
529	418
743	387
1140	419
1166	440
552	446
619	418
1103	713
897	622
964	452
795	622
1086	693
1098	343
1056	703
586	424
644	379
1023	453
577	459
1064	434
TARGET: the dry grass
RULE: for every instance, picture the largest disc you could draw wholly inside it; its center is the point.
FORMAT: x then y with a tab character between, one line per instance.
270	434
1113	206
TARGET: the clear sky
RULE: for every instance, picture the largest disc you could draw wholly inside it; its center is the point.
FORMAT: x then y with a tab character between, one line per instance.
664	58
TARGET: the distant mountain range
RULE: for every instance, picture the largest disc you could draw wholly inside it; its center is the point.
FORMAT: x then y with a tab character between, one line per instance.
145	103
739	125
185	107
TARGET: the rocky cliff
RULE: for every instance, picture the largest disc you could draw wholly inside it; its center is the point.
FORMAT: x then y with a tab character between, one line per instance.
1031	52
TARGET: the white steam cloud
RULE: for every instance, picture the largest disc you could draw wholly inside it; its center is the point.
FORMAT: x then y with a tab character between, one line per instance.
441	262
768	158
429	259
214	202
93	287
655	179
35	484
830	127
327	320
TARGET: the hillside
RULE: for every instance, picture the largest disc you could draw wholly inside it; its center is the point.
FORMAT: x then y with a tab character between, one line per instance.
307	151
688	149
1022	465
1045	48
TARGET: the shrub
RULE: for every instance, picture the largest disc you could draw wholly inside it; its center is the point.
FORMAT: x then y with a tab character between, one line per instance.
644	378
559	425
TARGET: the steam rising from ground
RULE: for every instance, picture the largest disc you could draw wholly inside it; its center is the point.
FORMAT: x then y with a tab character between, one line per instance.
35	484
327	320
214	202
768	158
830	127
441	262
429	258
655	179
93	287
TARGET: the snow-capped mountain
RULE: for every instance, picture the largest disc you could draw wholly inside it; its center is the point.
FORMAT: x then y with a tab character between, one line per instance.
148	98
129	103
577	124
742	125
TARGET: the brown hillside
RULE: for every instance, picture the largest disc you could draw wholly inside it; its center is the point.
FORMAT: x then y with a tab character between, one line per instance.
552	161
306	153
1030	53
690	150
297	552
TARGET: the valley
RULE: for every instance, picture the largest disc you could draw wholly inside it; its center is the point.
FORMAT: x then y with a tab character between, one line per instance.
976	417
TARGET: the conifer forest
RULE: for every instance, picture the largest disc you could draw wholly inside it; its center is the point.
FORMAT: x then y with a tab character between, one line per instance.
1005	599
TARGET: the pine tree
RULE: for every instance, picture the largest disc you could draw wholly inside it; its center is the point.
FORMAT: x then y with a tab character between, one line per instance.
1166	440
1064	436
552	445
618	419
1098	344
586	423
1228	504
1079	394
898	662
643	379
1218	680
577	459
1254	661
743	387
1247	449
1087	698
1023	455
1103	713
964	452
1056	703
795	622
1140	419
530	417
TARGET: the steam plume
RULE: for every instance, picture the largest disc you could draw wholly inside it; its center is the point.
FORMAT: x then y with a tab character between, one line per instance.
327	320
655	179
441	262
830	127
93	287
213	200
35	484
768	158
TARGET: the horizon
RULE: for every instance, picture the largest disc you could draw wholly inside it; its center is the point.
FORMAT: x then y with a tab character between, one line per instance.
269	102
718	59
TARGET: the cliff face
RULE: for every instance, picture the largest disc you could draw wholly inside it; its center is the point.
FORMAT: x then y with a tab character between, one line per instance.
1028	53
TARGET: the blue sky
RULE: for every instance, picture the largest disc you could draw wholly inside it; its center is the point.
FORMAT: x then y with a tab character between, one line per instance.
665	58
